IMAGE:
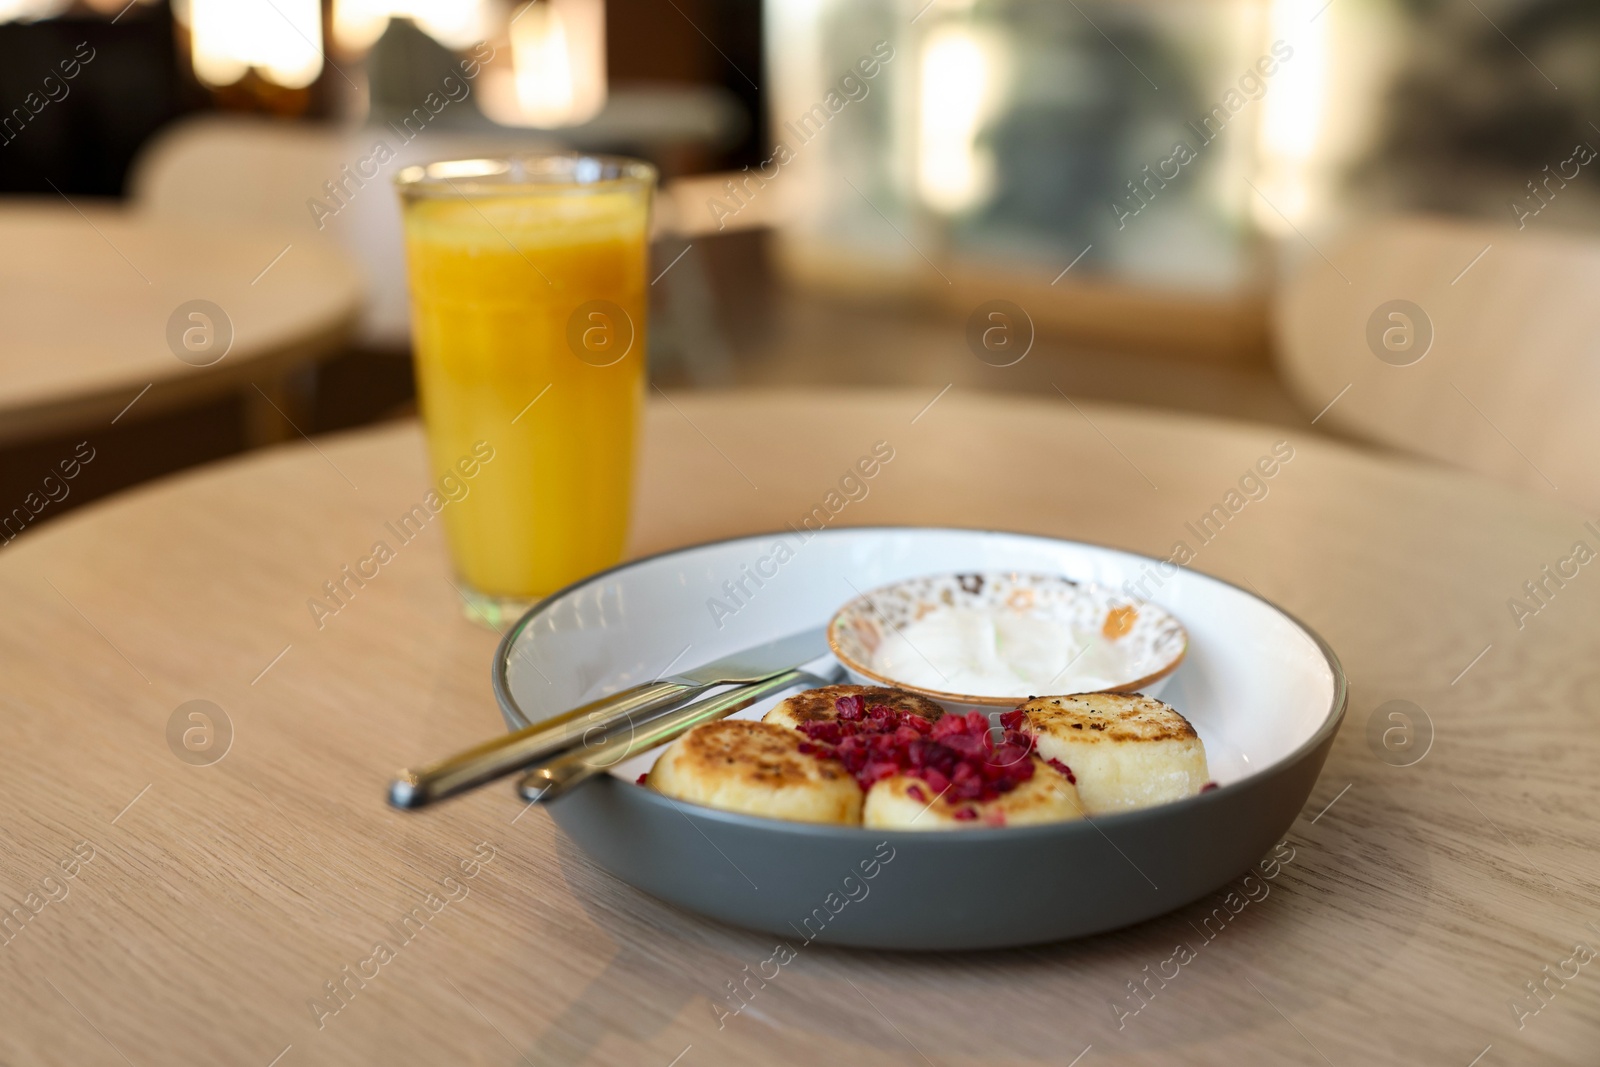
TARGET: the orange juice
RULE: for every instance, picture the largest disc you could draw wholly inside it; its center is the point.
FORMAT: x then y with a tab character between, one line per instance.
528	316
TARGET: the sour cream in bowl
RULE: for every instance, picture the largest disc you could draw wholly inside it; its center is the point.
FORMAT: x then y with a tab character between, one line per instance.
990	640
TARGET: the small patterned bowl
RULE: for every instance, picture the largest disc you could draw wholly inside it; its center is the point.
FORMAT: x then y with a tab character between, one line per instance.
1146	643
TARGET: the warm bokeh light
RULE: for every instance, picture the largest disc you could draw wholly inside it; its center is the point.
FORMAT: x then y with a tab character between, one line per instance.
957	89
115	8
31	10
357	24
280	39
557	75
36	10
1292	117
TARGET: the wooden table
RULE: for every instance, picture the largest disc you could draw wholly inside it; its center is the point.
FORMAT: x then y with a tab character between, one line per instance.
1410	907
86	295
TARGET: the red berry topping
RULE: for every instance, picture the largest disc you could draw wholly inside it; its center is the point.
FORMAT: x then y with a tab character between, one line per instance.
958	754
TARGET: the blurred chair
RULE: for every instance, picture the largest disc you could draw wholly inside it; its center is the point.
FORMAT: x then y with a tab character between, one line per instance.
1496	369
229	171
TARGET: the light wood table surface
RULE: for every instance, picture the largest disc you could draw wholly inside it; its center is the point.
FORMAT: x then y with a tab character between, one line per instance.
86	292
1411	906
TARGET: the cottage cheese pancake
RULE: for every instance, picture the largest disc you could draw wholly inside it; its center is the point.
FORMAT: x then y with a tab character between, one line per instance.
907	803
757	768
1126	750
822	705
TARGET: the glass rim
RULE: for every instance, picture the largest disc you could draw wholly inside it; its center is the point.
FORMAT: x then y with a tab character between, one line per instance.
524	172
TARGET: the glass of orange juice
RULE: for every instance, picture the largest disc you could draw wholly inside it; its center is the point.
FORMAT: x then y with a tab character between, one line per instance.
528	309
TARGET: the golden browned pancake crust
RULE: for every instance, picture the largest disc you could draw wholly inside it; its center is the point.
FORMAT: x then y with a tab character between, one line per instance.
1108	717
817	705
756	753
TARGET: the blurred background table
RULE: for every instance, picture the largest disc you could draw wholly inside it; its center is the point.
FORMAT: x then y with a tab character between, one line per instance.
220	899
64	369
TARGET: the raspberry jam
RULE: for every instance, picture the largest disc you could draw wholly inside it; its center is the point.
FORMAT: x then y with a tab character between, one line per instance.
957	757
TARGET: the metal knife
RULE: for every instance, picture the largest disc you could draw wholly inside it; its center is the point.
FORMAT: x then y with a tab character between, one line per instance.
596	720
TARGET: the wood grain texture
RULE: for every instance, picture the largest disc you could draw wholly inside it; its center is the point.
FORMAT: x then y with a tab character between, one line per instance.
63	367
1406	912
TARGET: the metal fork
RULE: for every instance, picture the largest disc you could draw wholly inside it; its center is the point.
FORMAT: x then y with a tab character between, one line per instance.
553	776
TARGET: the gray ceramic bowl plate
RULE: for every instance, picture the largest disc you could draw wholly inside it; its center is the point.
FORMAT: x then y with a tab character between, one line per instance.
1265	694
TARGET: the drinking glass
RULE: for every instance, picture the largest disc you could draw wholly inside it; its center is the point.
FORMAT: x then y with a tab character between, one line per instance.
528	309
